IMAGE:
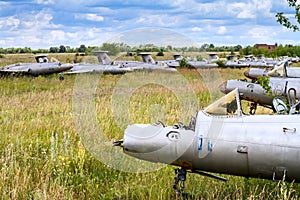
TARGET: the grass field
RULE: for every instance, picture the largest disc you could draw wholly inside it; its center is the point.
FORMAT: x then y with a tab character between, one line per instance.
43	156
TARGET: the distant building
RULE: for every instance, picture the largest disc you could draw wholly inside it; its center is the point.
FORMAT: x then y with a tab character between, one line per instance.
266	46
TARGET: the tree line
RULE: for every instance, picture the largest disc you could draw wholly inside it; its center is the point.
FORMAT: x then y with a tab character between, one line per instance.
116	48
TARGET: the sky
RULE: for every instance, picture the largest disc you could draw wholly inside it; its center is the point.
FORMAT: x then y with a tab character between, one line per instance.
48	23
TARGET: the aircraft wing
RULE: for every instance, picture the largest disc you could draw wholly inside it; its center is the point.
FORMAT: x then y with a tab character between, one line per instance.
23	71
97	69
78	72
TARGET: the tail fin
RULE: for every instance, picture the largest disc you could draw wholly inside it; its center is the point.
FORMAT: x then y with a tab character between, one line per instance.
103	58
147	58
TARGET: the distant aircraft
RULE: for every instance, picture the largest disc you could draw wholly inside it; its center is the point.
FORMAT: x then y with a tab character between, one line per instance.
102	67
282	70
42	67
95	68
210	63
221	139
251	61
232	62
193	63
202	64
285	88
174	63
148	63
254	62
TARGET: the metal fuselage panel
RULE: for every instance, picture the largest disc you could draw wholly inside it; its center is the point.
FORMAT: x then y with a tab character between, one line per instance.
254	146
36	68
255	93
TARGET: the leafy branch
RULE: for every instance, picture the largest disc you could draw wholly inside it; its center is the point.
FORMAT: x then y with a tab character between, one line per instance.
264	81
285	21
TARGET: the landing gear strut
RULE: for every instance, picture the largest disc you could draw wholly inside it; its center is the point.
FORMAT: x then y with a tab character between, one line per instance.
179	180
253	108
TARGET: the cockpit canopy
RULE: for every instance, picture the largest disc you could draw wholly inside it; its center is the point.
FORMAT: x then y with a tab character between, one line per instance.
228	105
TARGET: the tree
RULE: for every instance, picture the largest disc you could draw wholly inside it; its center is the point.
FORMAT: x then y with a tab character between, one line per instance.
285	21
160	53
113	48
204	47
62	49
53	50
82	48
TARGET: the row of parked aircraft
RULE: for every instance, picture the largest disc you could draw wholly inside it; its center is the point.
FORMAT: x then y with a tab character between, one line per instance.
43	66
222	138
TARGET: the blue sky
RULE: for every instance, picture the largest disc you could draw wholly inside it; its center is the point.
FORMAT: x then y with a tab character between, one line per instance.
46	23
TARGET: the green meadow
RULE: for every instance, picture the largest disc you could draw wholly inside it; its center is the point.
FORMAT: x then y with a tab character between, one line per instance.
45	152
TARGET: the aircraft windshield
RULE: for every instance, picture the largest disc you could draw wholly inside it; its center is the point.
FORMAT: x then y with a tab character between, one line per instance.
227	105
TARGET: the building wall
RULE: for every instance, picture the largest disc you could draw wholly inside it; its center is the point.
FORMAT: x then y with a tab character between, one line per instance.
266	46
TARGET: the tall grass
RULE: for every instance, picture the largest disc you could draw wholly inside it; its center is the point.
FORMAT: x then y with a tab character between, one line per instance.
43	157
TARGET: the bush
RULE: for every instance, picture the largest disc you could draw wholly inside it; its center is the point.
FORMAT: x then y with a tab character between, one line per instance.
183	63
161	53
221	64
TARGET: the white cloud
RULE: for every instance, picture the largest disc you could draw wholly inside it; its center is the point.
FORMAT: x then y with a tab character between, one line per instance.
45	2
262	34
222	30
3	3
197	29
251	9
90	17
104	10
246	14
264	5
156	36
155	19
94	17
57	35
241	10
2	42
11	23
179	2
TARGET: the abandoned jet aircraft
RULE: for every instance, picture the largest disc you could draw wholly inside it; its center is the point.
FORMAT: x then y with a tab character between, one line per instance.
175	62
82	68
221	139
285	88
282	70
148	62
42	67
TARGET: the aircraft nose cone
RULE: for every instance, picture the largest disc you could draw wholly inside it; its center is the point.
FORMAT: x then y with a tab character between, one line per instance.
223	87
142	138
156	142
